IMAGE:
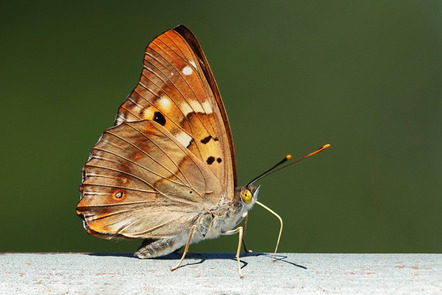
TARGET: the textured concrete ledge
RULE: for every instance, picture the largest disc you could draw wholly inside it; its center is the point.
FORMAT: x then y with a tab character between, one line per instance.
216	273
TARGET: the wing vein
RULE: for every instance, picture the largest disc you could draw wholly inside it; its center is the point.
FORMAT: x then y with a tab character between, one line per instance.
141	166
153	159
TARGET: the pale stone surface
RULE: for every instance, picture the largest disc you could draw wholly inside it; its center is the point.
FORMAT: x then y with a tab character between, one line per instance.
216	273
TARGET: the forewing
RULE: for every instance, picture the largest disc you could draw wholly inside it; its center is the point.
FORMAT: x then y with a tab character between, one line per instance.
141	182
177	90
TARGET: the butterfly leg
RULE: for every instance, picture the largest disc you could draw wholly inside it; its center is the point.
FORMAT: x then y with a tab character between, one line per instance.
186	249
245	216
240	231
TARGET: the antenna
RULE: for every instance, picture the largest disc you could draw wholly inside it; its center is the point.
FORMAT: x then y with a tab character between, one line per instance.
286	158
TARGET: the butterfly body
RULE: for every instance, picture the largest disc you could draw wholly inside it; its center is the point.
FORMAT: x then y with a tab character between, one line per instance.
210	224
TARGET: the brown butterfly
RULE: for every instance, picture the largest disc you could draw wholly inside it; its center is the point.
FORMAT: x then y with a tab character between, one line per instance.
166	171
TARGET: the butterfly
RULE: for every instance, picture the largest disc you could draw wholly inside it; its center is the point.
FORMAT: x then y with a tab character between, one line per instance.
166	171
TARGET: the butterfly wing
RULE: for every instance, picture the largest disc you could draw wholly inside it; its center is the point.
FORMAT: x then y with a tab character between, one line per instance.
177	89
170	154
140	181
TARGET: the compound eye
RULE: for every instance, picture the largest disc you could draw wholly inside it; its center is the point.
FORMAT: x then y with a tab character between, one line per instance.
246	196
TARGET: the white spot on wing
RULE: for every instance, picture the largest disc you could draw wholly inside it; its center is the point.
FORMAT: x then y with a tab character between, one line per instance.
193	64
186	109
207	107
164	103
187	70
184	138
196	106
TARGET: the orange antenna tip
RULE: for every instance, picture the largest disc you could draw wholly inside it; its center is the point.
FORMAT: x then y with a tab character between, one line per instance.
326	146
288	157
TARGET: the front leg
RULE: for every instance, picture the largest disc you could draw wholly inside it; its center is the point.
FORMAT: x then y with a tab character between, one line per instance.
245	217
239	230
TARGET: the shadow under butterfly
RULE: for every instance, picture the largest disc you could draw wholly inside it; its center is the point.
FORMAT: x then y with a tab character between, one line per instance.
166	171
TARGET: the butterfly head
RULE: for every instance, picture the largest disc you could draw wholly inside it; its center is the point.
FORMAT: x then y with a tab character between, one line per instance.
249	194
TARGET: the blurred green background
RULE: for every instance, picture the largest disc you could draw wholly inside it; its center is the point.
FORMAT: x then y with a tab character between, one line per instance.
364	76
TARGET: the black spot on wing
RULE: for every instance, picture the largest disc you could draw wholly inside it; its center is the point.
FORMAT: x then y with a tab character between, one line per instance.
219	160
159	118
206	139
210	160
